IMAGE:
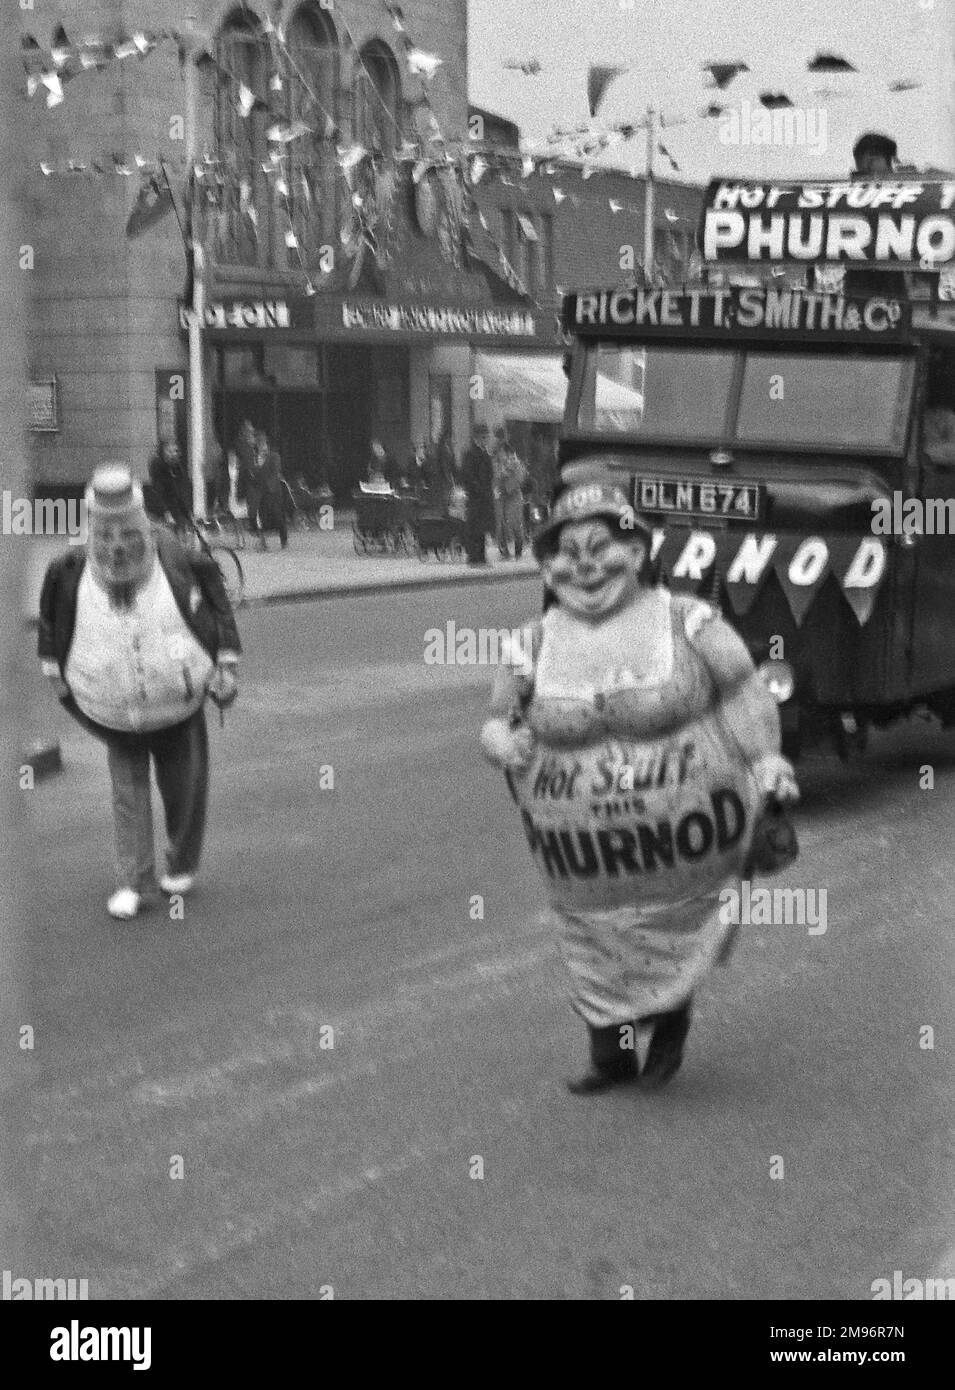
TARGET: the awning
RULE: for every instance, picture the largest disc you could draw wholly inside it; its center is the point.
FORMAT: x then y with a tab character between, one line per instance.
522	386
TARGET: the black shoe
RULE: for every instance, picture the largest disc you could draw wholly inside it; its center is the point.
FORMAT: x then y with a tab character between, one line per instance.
666	1046
610	1064
600	1079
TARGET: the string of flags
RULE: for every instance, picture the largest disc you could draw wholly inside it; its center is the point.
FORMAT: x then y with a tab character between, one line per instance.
221	183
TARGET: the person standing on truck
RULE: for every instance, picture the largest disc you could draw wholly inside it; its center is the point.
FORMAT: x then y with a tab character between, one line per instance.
875	157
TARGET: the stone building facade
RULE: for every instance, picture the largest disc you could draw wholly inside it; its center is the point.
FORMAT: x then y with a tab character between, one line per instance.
342	295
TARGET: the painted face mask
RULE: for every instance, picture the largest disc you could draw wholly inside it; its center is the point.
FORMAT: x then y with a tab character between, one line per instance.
593	573
121	551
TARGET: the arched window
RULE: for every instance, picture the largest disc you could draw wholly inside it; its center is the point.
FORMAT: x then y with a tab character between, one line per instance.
314	98
378	99
242	56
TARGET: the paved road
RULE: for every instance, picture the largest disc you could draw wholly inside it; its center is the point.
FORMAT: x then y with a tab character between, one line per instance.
307	1166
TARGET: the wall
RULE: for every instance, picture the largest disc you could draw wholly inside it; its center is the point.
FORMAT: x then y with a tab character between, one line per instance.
105	309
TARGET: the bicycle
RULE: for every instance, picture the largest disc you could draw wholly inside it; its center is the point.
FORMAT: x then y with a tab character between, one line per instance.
189	532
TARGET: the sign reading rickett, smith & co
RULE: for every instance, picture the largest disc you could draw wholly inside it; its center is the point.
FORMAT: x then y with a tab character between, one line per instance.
779	313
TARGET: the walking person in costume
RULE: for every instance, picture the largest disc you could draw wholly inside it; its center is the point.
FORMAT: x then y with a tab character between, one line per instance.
133	634
641	747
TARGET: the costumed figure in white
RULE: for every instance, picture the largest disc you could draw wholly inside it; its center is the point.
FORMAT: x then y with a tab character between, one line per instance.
642	748
134	633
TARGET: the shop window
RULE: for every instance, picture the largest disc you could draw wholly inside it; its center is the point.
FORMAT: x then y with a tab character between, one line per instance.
545	253
242	58
509	234
292	366
377	99
313	96
526	250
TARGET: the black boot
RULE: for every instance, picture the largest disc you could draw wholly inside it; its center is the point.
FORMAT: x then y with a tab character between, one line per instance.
666	1046
611	1064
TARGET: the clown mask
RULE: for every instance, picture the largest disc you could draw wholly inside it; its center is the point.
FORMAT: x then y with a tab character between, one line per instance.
593	572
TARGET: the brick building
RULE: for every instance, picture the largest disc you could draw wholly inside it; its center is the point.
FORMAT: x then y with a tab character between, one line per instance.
343	296
351	287
563	226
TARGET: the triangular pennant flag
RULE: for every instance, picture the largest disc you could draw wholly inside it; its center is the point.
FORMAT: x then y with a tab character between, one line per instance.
60	47
745	566
153	201
423	64
801	564
599	78
860	567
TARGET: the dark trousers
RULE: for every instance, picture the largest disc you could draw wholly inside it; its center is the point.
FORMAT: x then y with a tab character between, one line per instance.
266	510
181	758
475	541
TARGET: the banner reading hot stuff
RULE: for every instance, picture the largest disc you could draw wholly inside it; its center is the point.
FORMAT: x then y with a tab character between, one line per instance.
801	564
899	223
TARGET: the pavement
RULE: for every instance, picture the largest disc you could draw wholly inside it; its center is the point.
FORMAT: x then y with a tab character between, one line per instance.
316	564
333	1073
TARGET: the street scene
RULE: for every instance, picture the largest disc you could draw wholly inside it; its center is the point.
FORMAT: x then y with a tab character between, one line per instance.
479	659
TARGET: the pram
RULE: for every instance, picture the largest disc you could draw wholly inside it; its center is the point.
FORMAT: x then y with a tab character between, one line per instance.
303	505
383	522
438	534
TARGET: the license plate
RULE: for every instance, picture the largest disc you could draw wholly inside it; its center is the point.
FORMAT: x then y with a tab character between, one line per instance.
701	497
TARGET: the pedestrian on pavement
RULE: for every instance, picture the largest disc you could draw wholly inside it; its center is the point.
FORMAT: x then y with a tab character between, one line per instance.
477	476
510	476
379	470
134	632
245	454
640	745
170	484
267	492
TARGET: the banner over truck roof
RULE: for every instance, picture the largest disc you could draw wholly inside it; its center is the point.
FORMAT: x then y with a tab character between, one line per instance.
903	223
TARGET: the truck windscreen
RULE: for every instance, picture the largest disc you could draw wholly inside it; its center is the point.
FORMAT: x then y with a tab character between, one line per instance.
828	399
669	393
831	400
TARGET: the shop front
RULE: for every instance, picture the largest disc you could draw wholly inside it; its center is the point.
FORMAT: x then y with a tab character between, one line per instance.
324	375
524	392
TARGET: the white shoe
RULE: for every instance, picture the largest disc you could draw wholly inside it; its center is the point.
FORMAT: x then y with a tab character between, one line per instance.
177	883
124	904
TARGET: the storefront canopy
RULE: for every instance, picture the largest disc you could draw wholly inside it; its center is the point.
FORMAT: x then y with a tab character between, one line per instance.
533	387
523	386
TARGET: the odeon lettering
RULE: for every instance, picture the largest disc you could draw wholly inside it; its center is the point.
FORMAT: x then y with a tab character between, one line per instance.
639	848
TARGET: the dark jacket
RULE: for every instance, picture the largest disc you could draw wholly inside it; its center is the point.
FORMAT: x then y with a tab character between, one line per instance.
212	623
171	485
477	478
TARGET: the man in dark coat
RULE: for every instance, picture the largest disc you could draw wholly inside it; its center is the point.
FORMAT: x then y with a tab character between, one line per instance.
170	484
478	482
134	633
266	492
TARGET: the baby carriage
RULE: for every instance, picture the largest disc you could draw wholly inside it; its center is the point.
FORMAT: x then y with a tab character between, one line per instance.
304	504
383	522
439	534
